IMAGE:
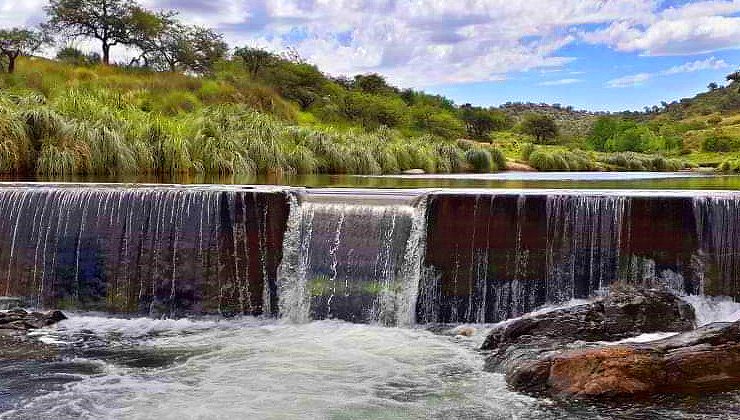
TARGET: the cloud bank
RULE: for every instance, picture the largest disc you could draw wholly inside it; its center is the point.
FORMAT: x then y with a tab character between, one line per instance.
431	42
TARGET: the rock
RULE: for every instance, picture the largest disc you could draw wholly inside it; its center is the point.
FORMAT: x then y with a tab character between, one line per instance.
464	330
414	172
7	302
706	359
624	313
19	319
519	167
16	346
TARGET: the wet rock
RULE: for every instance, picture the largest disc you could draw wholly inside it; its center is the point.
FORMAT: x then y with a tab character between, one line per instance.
21	320
624	313
8	302
706	359
16	346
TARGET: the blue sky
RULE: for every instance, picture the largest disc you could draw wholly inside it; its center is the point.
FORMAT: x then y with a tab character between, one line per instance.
592	54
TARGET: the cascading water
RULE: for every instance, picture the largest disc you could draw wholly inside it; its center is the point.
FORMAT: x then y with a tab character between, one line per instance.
151	250
353	261
583	244
392	257
718	233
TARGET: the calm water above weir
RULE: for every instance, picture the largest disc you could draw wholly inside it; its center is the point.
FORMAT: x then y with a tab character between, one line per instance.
560	180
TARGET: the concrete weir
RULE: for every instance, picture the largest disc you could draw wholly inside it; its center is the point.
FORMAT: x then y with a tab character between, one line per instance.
395	257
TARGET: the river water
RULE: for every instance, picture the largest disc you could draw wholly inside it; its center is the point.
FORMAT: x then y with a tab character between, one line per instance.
559	180
256	368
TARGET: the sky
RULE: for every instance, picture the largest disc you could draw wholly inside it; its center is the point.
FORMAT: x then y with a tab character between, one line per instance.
600	55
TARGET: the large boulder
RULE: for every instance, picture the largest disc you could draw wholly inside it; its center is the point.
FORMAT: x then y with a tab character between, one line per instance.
21	320
623	313
706	359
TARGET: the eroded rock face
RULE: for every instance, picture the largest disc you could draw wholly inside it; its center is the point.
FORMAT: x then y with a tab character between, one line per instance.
706	359
624	313
21	320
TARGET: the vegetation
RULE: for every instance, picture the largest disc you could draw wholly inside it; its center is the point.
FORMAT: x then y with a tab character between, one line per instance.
189	103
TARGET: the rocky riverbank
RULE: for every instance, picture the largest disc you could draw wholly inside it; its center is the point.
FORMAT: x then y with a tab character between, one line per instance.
15	344
576	352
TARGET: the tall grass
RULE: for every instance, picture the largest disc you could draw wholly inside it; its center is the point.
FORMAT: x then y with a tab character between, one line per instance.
100	120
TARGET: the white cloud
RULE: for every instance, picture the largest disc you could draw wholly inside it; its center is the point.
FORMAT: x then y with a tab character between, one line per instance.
426	42
560	82
710	63
692	28
629	81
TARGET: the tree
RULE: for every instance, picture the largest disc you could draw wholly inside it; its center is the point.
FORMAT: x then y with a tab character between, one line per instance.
76	57
734	79
109	21
203	47
479	122
256	59
541	127
299	82
17	42
712	86
166	44
373	83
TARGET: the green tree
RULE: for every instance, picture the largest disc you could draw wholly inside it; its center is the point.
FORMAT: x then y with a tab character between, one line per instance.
256	59
479	122
299	82
17	42
436	121
111	22
76	57
373	83
166	44
542	127
604	129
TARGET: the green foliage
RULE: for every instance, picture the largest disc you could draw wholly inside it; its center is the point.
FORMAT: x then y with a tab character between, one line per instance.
560	160
480	122
719	141
480	160
526	151
541	127
16	42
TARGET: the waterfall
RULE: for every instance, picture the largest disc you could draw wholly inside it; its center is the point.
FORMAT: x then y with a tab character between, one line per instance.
584	236
718	233
355	261
150	250
393	257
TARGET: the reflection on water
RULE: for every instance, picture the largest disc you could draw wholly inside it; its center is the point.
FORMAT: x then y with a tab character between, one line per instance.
569	180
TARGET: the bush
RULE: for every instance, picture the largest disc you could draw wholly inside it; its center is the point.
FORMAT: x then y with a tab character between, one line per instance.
541	127
718	141
480	160
176	102
526	151
499	159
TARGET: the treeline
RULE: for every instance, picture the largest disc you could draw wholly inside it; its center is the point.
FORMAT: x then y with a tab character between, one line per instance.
164	44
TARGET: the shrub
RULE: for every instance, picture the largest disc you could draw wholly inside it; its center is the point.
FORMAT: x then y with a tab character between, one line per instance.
480	160
717	141
176	102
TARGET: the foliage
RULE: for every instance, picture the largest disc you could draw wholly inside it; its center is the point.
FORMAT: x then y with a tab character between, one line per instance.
111	22
76	57
256	59
479	122
16	42
541	127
